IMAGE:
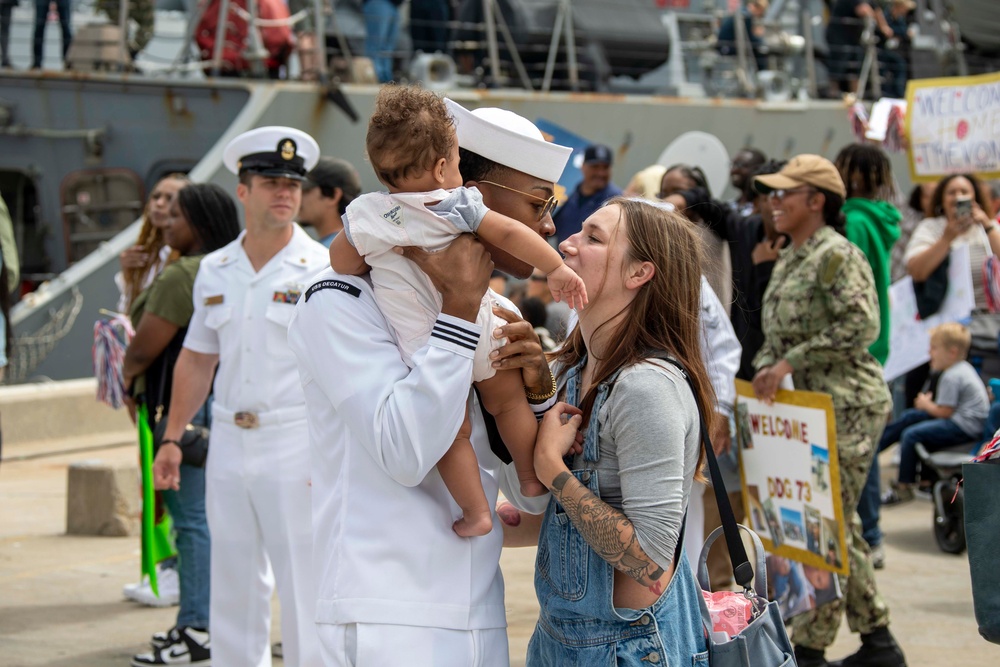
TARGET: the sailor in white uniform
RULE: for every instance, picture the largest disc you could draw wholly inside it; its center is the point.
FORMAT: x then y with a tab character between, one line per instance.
396	585
258	469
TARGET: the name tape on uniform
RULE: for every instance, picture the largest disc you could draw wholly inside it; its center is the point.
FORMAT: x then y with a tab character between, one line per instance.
333	284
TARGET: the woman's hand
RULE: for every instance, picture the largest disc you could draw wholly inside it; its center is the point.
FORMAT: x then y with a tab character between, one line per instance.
955	227
558	435
768	380
130	407
979	216
134	257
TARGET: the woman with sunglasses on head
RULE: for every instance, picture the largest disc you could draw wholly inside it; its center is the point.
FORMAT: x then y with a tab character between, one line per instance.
202	218
820	315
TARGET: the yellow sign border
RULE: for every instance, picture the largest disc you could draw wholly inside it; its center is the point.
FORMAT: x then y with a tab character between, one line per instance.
819	401
912	86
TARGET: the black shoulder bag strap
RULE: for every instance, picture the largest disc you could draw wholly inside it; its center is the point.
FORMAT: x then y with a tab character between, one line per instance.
742	570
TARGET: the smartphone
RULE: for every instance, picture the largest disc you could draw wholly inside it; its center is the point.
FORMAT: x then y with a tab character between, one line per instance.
963	208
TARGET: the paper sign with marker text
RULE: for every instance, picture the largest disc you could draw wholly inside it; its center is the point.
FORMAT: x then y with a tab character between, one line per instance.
791	476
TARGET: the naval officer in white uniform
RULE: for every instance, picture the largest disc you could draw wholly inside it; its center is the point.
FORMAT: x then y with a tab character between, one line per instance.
396	585
257	494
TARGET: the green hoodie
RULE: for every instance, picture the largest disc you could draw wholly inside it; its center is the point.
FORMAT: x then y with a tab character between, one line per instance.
873	226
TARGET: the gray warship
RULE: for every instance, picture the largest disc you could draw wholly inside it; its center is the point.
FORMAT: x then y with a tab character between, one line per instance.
81	147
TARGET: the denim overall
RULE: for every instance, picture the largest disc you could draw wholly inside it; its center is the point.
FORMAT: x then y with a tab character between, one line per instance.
579	624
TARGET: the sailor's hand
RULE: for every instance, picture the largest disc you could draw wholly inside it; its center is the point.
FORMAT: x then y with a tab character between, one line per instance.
523	350
167	468
460	272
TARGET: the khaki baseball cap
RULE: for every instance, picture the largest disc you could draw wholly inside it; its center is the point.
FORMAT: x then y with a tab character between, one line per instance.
803	170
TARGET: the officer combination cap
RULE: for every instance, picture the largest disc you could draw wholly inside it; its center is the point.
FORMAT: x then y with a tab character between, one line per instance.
801	170
276	151
508	139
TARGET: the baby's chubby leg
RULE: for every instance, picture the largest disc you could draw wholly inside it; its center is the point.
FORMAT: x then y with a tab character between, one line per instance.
459	469
503	397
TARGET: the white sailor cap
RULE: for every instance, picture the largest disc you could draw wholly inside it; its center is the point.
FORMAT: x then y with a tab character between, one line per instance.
272	151
508	139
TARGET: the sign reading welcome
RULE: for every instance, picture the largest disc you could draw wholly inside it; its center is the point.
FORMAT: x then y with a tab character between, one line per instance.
953	126
791	478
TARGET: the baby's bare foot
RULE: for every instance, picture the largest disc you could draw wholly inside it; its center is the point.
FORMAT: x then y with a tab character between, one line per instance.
474	525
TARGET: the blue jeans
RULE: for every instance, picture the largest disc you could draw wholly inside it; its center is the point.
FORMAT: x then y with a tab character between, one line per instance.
913	426
194	544
870	501
41	14
381	29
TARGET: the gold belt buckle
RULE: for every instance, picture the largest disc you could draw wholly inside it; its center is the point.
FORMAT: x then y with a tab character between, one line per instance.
246	420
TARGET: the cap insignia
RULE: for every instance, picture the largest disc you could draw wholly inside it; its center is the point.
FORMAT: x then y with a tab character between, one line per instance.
287	149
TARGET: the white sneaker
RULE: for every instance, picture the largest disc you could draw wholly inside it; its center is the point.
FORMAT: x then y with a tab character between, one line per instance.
878	557
169	586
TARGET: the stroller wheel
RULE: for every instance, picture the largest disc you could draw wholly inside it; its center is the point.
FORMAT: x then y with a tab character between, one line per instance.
949	525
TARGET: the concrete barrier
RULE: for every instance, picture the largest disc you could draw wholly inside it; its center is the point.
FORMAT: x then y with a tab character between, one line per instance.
102	499
59	416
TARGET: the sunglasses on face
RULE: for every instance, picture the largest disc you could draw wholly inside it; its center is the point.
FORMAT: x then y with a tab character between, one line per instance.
547	208
781	194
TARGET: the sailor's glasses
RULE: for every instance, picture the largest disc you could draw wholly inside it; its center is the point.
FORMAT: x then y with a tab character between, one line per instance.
549	205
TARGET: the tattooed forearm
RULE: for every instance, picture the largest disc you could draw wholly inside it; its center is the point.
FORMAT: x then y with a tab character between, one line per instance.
607	530
560	481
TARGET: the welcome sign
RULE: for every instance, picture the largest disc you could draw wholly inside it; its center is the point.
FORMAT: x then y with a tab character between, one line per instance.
953	125
791	476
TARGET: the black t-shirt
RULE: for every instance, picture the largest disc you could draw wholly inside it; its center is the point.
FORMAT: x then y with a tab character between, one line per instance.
845	26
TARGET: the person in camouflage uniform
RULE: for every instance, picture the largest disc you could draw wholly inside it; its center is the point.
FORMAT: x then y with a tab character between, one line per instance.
140	12
820	314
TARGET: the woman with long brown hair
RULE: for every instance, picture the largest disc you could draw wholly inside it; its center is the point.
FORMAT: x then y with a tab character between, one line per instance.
142	262
610	557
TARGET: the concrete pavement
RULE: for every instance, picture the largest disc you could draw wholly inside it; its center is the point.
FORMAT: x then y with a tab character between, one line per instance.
61	602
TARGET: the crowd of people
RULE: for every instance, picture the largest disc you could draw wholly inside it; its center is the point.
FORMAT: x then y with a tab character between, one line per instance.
369	396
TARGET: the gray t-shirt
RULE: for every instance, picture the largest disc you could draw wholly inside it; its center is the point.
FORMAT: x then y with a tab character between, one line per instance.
961	388
649	445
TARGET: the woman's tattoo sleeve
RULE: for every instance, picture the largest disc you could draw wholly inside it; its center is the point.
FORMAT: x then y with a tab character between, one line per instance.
608	532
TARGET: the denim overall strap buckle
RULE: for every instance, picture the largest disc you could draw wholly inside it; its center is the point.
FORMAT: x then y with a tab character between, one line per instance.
591	450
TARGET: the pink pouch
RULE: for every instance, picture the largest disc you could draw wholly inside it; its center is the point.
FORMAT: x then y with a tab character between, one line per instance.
730	611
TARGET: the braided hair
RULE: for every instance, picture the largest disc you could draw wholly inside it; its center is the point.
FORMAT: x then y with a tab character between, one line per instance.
867	172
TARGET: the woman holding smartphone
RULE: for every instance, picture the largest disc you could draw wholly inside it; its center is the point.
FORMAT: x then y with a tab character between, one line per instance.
962	219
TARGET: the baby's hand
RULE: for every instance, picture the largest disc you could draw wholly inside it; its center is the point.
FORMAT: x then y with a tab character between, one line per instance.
566	286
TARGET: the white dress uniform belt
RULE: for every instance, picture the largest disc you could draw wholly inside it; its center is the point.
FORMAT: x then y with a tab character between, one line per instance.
248	420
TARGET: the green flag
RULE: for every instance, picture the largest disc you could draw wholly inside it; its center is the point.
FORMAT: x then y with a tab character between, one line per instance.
156	536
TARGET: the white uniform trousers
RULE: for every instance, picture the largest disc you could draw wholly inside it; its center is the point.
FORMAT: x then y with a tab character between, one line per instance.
373	645
258	503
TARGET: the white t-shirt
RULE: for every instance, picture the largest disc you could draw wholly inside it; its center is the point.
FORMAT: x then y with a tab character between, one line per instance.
930	230
377	222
